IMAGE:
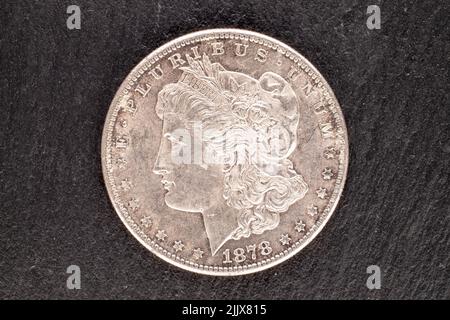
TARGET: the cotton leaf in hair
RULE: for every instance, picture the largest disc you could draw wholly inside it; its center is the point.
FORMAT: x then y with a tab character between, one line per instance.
196	66
208	66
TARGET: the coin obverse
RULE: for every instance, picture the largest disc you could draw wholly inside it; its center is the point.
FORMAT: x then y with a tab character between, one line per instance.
224	152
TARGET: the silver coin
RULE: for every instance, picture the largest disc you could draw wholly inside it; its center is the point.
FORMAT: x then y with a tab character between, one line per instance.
224	152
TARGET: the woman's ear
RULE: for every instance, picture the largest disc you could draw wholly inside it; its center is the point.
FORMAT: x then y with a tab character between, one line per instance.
272	82
279	89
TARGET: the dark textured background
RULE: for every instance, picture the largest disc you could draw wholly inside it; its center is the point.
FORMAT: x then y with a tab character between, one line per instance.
56	87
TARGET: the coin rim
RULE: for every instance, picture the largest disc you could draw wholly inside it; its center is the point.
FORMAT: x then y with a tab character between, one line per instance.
242	271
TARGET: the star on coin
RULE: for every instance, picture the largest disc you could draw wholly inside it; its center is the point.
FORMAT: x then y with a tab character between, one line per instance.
284	239
322	193
313	210
123	123
327	174
198	253
178	246
146	222
133	204
121	163
125	185
329	153
161	235
300	226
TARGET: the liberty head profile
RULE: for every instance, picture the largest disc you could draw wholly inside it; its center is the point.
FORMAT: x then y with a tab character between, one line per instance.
248	131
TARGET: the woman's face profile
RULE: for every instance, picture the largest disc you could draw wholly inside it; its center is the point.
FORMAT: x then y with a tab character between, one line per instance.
191	186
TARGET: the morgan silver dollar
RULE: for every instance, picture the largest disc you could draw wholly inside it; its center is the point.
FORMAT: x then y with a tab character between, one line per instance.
224	152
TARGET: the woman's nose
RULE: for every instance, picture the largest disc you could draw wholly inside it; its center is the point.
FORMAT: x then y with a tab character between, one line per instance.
163	164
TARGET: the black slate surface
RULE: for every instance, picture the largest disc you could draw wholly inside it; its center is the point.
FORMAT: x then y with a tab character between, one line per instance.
56	87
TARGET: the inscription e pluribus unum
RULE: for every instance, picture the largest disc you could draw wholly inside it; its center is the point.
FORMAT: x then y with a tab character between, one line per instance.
319	105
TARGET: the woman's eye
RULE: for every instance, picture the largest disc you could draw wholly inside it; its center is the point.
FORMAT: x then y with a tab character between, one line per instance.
174	140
